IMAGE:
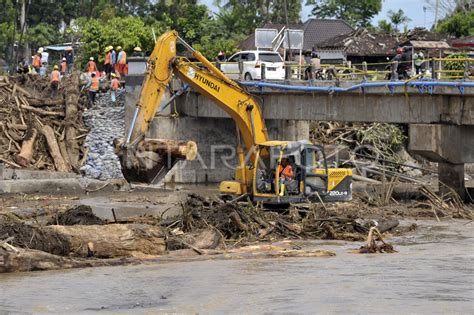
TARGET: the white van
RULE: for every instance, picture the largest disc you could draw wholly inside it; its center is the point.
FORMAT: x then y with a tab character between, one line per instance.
252	61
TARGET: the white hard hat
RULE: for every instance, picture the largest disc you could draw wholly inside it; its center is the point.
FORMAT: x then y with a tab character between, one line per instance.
91	58
64	59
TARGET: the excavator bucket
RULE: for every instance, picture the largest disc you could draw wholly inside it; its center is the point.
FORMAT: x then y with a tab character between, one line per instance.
151	159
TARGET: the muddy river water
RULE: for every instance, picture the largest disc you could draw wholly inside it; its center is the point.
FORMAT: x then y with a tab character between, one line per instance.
433	273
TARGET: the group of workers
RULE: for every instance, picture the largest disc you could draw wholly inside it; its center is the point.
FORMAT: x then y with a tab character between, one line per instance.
117	61
115	67
91	83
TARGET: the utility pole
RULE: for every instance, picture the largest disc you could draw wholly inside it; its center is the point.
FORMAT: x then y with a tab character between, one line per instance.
24	29
287	29
436	14
424	19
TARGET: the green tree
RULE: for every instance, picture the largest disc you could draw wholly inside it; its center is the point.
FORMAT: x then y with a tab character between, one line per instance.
384	26
127	32
458	24
42	34
397	18
357	13
7	27
256	13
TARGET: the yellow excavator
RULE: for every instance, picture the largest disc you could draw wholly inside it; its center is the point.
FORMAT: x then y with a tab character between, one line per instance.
260	173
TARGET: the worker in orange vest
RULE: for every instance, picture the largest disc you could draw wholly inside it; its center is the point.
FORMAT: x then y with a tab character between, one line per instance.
91	65
286	171
114	86
108	61
63	66
37	62
122	61
94	88
55	79
286	174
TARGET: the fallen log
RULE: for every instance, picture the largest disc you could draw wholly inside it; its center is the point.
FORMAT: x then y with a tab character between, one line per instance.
72	115
45	102
21	90
27	148
176	148
113	240
101	241
54	150
64	154
23	260
41	111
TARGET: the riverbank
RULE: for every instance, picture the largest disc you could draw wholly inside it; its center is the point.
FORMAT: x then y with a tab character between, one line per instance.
186	224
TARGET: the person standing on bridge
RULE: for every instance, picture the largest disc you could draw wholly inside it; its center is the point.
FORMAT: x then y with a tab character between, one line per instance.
418	61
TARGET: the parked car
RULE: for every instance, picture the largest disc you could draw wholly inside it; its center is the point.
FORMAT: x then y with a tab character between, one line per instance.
252	65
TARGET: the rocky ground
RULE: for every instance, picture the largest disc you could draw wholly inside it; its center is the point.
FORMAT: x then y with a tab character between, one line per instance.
106	122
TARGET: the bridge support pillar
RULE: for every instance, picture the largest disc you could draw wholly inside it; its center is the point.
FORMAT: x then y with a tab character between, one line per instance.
450	145
288	129
451	176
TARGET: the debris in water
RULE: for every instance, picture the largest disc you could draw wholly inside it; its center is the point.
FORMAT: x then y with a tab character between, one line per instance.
373	247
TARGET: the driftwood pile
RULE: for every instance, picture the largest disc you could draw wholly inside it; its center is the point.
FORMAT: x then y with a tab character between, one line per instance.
37	131
372	139
28	246
239	224
89	241
206	228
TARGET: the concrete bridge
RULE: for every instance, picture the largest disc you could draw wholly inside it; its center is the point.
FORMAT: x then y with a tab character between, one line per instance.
440	116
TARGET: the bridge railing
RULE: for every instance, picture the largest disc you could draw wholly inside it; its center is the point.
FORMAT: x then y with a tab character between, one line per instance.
434	68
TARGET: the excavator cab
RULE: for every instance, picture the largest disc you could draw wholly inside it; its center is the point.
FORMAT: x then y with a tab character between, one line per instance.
296	171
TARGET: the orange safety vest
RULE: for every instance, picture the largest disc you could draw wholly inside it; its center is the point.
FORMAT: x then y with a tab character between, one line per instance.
95	84
115	84
63	66
123	58
287	171
55	76
37	61
107	58
91	67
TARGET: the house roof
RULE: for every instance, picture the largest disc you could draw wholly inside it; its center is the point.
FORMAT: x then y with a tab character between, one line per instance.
361	42
428	44
467	41
315	32
422	34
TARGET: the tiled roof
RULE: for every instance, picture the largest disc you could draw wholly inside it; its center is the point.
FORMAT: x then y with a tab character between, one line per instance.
315	32
362	43
467	41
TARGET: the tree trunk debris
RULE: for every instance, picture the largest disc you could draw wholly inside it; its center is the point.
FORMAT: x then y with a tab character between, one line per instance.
37	131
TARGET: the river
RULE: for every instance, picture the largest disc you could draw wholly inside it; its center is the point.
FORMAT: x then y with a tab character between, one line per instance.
431	274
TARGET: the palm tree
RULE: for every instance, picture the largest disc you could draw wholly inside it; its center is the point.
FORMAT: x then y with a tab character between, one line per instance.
397	18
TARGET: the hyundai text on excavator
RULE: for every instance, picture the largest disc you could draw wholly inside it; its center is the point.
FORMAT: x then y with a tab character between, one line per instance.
258	174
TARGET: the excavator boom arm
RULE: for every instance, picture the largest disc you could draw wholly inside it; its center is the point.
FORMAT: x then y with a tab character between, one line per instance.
157	77
211	82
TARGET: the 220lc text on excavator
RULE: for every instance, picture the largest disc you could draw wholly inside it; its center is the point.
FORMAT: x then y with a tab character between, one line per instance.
270	171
